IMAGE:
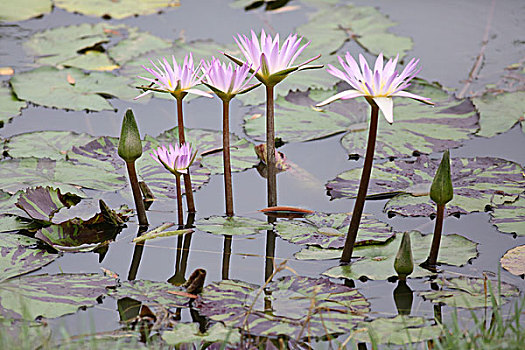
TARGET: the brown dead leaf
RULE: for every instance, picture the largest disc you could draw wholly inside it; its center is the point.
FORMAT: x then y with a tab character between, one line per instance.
182	294
70	79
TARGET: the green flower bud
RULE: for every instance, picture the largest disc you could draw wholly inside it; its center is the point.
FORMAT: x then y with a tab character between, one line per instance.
441	191
404	263
130	146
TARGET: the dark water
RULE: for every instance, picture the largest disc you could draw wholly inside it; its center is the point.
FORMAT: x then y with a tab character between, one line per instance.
447	37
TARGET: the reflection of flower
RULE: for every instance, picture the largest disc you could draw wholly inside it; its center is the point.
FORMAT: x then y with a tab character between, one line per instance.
379	85
176	159
176	80
227	81
271	63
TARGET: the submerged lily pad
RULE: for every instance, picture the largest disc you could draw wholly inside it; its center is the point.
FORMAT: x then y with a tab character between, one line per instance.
234	226
71	88
329	230
377	261
24	9
469	292
51	296
499	113
295	306
186	333
510	217
11	106
115	9
398	330
476	181
514	261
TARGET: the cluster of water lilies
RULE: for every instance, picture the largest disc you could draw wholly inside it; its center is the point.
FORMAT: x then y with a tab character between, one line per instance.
269	62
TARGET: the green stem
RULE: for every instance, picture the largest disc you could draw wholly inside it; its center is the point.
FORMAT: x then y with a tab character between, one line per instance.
228	192
137	196
179	202
270	148
363	187
436	239
182	139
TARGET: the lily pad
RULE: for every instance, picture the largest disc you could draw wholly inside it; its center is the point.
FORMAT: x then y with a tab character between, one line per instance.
329	230
43	203
51	296
514	261
417	128
398	330
234	226
10	223
151	293
295	306
11	106
499	113
136	43
469	292
117	10
377	261
24	9
71	88
44	144
186	333
510	217
476	181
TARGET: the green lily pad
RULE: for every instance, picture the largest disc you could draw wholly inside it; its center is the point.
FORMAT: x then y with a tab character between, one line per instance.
469	292
71	88
377	261
234	226
10	223
25	9
135	44
151	293
51	296
417	128
18	256
514	261
186	333
43	203
499	113
285	307
11	106
116	10
398	330
44	144
329	230
91	60
510	217
8	204
476	181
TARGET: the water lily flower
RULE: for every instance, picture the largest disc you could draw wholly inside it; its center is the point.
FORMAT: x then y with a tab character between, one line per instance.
177	80
176	159
378	85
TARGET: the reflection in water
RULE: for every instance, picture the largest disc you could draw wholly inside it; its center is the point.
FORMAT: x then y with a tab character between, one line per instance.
137	255
403	297
226	254
269	265
181	259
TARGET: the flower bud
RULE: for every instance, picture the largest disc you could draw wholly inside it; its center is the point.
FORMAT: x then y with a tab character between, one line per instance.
441	191
130	145
404	263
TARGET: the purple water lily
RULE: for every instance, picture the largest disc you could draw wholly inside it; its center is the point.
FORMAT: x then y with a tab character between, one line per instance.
176	159
226	80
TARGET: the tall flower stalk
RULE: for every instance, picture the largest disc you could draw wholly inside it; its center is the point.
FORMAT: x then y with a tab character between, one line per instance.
177	161
271	65
177	80
227	82
378	86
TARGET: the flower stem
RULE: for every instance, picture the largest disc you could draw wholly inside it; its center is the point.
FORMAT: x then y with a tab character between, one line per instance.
363	187
228	192
187	179
436	239
270	148
137	196
179	201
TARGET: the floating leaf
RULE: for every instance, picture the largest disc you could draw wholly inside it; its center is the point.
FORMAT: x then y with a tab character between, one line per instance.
11	106
510	217
86	94
234	226
135	44
115	9
514	261
161	232
476	182
150	293
43	203
499	113
295	306
91	60
186	333
377	261
24	9
44	144
329	230
286	212
10	223
469	292
51	296
398	330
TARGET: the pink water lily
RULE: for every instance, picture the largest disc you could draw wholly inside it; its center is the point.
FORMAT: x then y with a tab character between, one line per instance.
226	81
176	159
176	80
378	85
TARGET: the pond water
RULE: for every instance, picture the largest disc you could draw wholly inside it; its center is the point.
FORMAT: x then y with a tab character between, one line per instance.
447	36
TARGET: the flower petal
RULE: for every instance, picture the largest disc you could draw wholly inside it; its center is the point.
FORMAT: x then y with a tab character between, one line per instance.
386	105
413	96
199	92
345	95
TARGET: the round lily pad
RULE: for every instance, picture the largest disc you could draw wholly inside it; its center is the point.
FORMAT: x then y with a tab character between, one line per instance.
117	10
510	217
514	261
11	106
234	226
329	230
499	113
298	307
477	182
24	9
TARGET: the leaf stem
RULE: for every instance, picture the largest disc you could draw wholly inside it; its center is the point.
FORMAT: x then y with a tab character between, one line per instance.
188	191
228	192
137	196
270	148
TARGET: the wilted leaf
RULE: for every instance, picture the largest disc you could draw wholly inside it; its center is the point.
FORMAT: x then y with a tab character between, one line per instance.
20	10
286	212
161	231
115	9
510	217
186	333
499	113
514	261
11	105
235	225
